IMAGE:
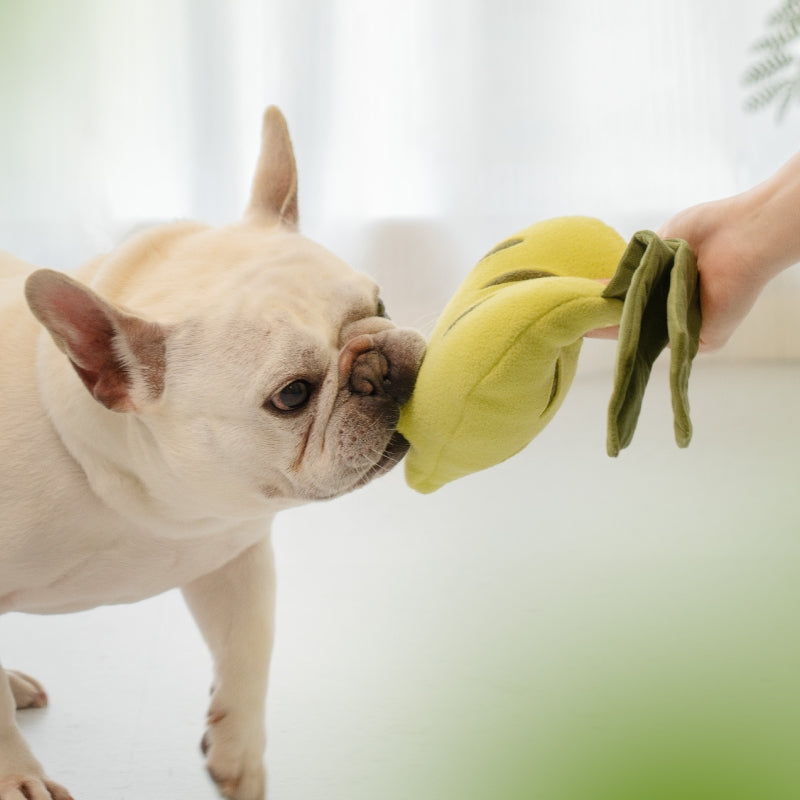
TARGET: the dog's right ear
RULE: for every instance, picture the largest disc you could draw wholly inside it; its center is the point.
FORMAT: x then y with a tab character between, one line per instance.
274	193
120	358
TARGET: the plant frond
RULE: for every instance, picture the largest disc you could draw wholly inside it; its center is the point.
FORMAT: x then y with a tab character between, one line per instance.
765	96
789	11
767	68
768	77
779	40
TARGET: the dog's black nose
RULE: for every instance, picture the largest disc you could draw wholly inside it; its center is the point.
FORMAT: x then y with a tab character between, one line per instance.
378	366
370	374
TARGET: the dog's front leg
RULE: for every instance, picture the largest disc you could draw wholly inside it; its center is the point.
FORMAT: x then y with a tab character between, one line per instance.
21	774
234	607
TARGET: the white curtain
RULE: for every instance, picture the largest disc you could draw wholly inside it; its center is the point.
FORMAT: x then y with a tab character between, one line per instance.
425	130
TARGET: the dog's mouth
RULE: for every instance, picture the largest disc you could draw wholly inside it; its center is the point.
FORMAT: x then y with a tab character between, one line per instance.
390	458
392	455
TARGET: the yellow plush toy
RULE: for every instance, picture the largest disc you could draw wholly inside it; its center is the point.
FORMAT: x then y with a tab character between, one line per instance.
505	350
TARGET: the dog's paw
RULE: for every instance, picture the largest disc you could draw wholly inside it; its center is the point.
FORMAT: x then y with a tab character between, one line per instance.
27	691
21	776
21	787
234	754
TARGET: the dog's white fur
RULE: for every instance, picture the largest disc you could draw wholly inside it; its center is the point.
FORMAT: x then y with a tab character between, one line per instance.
147	439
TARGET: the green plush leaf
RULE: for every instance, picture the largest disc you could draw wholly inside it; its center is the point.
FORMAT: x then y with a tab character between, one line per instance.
683	328
657	280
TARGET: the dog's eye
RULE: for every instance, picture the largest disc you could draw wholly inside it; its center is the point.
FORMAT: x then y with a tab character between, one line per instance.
292	397
381	312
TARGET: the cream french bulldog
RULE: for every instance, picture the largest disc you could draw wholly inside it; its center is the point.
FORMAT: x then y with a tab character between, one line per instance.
152	425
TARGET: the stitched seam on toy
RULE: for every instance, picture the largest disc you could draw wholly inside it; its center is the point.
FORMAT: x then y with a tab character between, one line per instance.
503	246
554	387
464	314
457	426
519	275
508	277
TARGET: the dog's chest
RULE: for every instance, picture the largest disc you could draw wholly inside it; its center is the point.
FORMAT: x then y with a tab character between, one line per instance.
97	567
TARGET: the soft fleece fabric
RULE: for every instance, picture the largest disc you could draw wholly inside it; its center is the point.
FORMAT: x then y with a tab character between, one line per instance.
505	350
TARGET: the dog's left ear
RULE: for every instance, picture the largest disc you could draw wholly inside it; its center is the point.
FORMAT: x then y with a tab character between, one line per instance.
120	358
274	193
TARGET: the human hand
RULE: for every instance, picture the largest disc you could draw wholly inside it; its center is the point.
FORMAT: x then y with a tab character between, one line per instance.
729	285
740	243
730	275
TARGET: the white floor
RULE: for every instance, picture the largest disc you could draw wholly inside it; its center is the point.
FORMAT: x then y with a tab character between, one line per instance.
562	627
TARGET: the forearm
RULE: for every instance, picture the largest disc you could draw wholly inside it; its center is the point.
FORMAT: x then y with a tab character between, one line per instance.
769	214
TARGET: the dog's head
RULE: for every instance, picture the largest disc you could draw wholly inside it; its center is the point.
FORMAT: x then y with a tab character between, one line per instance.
247	364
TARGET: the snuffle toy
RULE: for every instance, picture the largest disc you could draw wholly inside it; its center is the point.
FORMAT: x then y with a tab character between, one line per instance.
505	350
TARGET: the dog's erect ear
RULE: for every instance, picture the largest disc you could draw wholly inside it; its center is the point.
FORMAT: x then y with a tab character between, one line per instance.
274	193
119	357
